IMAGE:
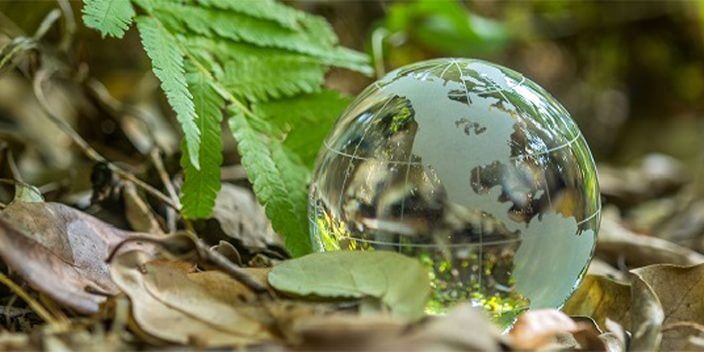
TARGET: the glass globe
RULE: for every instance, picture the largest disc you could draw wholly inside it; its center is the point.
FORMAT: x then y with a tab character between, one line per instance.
473	169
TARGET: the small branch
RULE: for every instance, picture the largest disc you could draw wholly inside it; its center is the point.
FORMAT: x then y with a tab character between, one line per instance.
39	78
161	170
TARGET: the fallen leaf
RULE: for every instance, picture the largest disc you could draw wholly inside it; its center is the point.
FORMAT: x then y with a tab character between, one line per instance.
138	213
464	328
679	290
678	336
601	298
242	218
169	304
646	316
617	243
537	328
345	331
61	252
400	282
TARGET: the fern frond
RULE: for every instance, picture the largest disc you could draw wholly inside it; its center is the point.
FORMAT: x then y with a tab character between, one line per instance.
302	122
237	27
278	178
267	63
262	9
225	50
167	64
200	187
109	17
273	77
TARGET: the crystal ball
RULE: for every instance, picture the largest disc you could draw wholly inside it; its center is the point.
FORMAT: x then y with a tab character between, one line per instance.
470	167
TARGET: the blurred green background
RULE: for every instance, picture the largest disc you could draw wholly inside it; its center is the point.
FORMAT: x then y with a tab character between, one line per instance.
631	73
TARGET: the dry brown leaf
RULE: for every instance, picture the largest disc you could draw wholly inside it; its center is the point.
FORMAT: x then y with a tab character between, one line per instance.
537	328
242	218
61	252
601	298
138	213
170	305
464	328
679	336
646	316
619	243
344	331
680	291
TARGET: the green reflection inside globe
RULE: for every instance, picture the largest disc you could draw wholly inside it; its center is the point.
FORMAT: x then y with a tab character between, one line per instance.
473	169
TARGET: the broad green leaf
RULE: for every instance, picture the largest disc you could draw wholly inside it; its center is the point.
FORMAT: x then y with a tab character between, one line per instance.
400	282
201	186
304	121
168	66
278	176
109	17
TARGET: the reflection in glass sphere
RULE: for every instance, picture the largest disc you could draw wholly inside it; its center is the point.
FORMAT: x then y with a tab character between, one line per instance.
473	169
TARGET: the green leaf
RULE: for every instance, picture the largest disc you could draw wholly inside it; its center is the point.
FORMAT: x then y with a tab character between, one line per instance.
109	17
26	193
167	64
400	282
200	187
278	177
273	77
304	121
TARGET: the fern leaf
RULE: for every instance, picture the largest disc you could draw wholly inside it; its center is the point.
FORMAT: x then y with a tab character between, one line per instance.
304	121
273	77
200	187
262	9
167	64
278	177
109	17
225	50
237	27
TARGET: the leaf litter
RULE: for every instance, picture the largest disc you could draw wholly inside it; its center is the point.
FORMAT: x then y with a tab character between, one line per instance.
227	282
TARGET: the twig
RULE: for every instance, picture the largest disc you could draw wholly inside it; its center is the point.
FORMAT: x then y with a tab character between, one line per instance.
42	75
204	253
39	78
36	306
161	170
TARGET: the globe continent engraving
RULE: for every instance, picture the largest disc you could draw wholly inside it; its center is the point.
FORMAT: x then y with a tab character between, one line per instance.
470	167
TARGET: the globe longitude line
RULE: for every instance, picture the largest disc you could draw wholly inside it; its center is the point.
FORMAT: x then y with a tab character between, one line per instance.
354	156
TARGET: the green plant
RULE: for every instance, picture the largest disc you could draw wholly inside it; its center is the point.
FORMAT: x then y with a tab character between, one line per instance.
260	62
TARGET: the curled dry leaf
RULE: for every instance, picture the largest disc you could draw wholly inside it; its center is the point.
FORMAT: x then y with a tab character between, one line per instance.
617	242
464	328
61	252
400	282
537	328
242	218
646	316
680	291
345	331
169	304
601	299
137	211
